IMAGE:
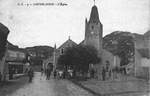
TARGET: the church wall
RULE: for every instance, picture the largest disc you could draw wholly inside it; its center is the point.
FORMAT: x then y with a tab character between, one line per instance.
113	60
61	50
107	56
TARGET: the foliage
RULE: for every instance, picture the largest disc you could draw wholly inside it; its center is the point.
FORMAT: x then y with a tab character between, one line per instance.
79	57
125	49
121	44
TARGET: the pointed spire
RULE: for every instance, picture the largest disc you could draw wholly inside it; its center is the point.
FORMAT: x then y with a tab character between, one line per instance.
94	16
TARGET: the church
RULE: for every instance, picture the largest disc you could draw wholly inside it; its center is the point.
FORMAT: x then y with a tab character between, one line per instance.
93	37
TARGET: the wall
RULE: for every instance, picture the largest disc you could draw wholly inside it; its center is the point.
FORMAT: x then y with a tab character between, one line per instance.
107	56
3	67
145	62
142	66
93	35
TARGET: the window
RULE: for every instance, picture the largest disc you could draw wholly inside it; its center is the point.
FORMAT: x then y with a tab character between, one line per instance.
62	51
92	27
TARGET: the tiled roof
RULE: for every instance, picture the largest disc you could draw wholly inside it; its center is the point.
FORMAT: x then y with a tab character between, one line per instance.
67	43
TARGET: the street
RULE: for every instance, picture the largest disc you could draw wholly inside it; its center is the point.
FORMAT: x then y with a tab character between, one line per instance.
42	87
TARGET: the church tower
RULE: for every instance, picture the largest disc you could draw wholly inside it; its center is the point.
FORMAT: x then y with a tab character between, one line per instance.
94	30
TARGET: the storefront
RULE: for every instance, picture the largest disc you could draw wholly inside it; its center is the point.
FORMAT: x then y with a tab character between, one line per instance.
16	67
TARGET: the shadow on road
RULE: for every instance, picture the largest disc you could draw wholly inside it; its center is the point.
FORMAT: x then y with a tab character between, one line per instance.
11	86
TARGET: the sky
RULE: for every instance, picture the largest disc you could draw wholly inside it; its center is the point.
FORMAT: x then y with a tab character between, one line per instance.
47	25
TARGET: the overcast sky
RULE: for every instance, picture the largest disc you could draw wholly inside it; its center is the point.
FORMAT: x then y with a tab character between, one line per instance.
47	25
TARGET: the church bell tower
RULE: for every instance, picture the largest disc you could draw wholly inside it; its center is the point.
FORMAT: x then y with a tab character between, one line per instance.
94	30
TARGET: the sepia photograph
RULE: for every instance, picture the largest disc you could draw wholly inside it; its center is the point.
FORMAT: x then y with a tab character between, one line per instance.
74	47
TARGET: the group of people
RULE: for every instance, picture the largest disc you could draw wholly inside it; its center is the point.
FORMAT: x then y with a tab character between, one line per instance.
64	74
112	73
47	71
57	73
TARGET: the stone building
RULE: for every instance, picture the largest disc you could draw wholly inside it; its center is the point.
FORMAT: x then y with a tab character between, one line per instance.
4	31
59	51
142	55
93	37
15	59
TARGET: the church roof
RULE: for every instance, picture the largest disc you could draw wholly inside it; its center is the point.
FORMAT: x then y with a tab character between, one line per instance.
94	16
68	43
82	42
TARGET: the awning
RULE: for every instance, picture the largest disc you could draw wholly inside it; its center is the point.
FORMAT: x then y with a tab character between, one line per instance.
15	63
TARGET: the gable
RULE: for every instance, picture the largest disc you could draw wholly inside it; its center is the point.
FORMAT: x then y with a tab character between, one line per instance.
82	42
68	43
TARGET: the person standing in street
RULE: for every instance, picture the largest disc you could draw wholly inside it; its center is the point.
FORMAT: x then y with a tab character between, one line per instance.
42	71
107	70
103	73
47	74
30	74
55	73
49	70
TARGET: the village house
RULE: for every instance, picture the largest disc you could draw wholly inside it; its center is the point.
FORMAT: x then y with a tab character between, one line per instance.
4	31
142	55
15	60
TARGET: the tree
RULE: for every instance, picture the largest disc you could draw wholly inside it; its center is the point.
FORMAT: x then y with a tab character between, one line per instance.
121	44
125	50
79	57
